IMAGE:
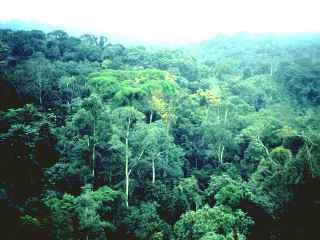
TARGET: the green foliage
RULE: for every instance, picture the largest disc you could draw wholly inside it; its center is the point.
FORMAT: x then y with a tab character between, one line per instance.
3	52
134	87
30	222
301	78
144	223
25	136
258	91
115	142
280	155
226	190
82	216
253	155
219	220
190	193
276	177
159	151
309	155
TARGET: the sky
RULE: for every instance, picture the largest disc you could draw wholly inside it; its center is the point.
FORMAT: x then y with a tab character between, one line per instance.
168	21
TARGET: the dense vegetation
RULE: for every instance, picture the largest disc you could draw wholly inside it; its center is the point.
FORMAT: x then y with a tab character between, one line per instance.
215	141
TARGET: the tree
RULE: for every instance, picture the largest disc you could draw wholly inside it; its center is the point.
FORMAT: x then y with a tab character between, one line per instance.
135	88
94	106
84	140
36	79
227	190
85	214
275	178
138	217
301	79
161	155
189	191
22	130
4	50
106	141
216	220
253	155
309	154
124	121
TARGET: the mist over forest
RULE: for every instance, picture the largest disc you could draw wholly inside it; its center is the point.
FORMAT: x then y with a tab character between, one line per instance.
214	140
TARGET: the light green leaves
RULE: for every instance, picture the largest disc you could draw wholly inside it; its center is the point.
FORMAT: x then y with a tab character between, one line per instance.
194	225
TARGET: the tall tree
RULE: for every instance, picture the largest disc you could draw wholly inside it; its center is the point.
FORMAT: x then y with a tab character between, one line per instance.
125	120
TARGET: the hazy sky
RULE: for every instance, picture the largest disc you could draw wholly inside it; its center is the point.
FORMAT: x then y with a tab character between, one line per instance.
172	21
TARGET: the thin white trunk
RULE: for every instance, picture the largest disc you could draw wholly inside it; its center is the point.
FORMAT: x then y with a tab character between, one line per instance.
153	172
220	153
154	167
40	87
207	114
127	164
266	150
151	116
127	174
226	116
94	148
264	147
221	157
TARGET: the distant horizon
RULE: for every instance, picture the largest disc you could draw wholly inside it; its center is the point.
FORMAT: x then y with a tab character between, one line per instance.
169	21
16	24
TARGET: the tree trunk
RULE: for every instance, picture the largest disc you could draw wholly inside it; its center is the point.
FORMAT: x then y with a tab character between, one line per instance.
127	174
94	149
151	116
225	117
153	172
40	88
220	153
127	164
